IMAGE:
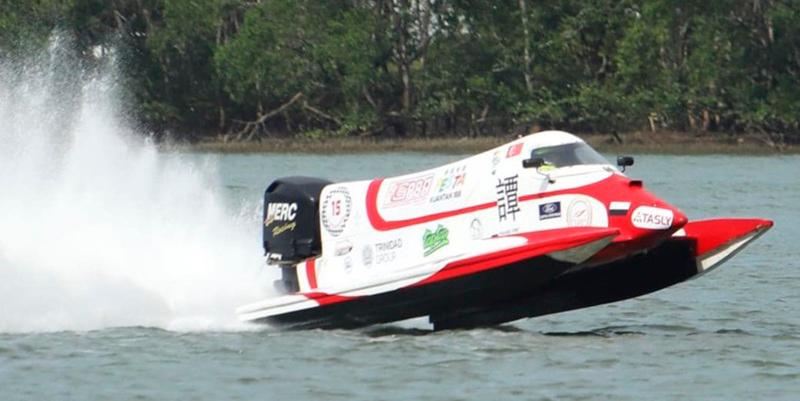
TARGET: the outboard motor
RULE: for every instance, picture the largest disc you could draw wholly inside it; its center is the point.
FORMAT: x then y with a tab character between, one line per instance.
291	225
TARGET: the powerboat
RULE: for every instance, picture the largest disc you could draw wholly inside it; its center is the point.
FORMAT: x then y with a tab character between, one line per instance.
541	225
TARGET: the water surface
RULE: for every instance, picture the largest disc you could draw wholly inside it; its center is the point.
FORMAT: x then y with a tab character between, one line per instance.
731	335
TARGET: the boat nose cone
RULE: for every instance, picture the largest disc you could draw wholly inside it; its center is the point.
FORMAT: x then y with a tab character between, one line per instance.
678	220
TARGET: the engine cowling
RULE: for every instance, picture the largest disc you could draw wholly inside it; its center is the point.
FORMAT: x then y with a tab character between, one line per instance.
291	219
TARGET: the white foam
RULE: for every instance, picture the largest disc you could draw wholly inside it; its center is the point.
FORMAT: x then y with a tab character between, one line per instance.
100	229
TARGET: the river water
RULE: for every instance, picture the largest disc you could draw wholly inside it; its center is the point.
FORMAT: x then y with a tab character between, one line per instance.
121	266
731	335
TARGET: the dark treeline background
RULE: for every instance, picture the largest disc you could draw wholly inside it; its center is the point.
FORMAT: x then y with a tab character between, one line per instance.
252	69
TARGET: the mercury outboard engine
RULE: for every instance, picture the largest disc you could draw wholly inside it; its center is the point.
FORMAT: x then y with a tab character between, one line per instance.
291	225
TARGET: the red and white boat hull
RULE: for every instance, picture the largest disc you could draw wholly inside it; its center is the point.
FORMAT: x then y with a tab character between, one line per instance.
540	225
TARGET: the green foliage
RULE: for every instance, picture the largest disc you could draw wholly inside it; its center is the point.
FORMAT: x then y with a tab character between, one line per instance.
181	47
25	26
257	65
466	67
287	47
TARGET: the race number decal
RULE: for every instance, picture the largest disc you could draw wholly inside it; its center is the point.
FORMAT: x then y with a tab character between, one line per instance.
336	210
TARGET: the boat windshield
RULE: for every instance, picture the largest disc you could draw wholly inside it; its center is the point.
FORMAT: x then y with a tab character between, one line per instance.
570	154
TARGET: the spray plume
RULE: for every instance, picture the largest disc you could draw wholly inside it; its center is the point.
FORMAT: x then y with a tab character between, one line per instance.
97	227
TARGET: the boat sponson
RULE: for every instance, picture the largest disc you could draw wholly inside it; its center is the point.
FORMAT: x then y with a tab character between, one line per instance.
465	293
670	263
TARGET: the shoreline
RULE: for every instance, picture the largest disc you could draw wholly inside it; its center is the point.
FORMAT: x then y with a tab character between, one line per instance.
635	143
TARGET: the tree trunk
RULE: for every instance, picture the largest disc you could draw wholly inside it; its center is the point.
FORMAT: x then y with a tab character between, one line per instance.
401	10
526	55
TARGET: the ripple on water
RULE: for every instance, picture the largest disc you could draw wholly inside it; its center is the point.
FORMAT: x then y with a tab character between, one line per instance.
627	330
248	380
771	363
789	377
740	332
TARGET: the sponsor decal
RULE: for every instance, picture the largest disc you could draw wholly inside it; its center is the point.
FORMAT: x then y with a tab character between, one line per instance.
336	210
366	255
278	230
280	211
476	229
653	218
495	161
389	245
409	191
514	150
387	257
343	248
386	251
507	232
507	203
432	241
348	264
618	208
449	185
579	213
549	210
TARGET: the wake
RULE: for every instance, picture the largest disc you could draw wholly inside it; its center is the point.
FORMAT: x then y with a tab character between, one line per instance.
97	227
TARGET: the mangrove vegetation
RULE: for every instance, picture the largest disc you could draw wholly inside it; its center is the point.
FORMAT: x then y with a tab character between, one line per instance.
248	69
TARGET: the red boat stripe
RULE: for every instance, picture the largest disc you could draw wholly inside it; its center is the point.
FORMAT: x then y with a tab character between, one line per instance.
539	244
380	224
544	242
311	273
327	299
